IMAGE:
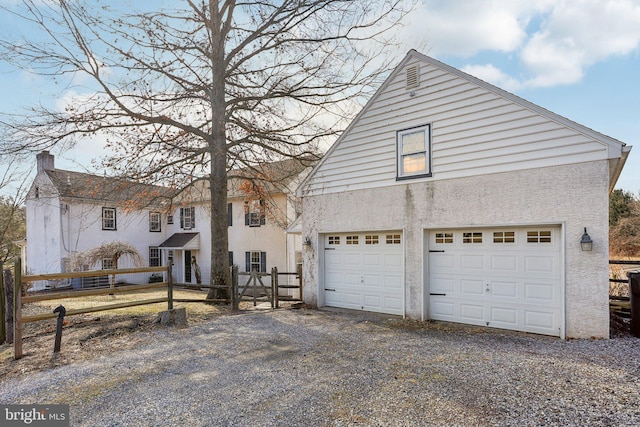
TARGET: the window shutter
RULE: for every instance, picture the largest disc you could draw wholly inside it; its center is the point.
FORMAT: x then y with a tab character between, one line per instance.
229	214
193	216
246	213
181	217
262	218
247	256
263	262
230	258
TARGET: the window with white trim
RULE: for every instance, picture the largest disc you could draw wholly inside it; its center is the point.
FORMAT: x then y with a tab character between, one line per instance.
414	152
256	261
351	240
154	221
334	240
108	264
108	218
154	257
187	218
254	213
298	259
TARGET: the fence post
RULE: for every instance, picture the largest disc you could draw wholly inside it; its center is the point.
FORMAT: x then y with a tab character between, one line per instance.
235	303
3	324
8	290
274	287
300	280
17	309
169	287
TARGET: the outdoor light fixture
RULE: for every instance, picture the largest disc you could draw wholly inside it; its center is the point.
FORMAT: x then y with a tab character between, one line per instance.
307	241
586	243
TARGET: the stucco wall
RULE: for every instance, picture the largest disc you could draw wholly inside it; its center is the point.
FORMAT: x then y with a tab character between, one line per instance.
575	196
43	228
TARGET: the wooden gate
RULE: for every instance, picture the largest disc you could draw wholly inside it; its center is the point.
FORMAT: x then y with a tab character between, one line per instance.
253	286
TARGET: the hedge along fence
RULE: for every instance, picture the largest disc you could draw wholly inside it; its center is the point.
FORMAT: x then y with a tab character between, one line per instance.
19	320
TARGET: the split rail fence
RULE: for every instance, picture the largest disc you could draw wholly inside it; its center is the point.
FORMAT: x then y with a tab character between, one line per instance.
19	299
245	286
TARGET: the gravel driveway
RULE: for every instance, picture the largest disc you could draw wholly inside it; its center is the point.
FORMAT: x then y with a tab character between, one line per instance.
336	368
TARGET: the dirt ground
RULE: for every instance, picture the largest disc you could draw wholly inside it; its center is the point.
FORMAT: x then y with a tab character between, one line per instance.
85	337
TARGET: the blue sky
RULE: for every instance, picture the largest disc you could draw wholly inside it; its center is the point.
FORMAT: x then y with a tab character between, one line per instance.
577	58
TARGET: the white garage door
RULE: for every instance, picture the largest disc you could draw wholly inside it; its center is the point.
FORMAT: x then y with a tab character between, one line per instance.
364	271
504	278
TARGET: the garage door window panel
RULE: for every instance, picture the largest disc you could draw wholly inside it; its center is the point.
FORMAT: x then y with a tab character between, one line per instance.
334	240
393	239
371	240
504	237
444	238
539	236
352	240
472	237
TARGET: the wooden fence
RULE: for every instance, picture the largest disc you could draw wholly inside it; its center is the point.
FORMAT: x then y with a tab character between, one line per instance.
19	280
254	288
621	305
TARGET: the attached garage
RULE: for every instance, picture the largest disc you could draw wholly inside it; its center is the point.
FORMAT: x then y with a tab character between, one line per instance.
364	271
507	278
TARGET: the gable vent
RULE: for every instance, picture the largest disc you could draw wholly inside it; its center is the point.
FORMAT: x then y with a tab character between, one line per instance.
413	76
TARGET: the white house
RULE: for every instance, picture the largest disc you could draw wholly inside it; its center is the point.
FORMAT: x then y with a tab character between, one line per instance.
448	198
70	212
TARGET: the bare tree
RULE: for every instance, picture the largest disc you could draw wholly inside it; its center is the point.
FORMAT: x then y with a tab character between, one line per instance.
190	93
13	190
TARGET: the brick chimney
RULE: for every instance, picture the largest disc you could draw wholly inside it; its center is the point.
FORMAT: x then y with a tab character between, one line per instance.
45	161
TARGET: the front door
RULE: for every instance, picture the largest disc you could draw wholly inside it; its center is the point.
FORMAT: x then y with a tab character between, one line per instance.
187	266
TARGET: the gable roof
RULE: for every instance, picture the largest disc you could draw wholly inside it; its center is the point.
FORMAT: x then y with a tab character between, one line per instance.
616	151
77	185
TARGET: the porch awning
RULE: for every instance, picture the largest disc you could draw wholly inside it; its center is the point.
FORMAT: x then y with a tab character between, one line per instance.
181	241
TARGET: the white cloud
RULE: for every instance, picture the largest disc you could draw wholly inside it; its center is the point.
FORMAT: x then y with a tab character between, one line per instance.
577	34
464	28
493	75
555	40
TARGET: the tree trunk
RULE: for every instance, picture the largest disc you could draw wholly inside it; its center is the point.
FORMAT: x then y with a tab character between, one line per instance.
220	276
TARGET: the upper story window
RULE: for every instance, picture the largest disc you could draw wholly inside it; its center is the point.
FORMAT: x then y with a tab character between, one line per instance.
154	221
414	152
108	218
187	217
254	213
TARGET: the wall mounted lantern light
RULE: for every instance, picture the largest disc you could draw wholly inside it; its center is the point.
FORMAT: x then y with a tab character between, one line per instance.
307	241
586	243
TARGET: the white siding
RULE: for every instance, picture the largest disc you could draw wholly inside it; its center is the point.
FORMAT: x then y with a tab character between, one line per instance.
474	132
